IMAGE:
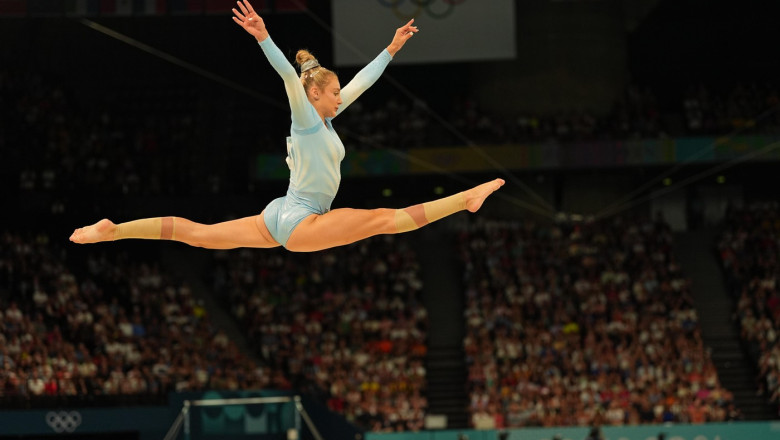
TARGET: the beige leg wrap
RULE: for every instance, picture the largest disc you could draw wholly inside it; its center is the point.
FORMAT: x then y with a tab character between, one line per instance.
441	208
158	228
417	216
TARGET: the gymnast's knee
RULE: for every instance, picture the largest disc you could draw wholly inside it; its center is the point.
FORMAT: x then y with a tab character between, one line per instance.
384	220
195	235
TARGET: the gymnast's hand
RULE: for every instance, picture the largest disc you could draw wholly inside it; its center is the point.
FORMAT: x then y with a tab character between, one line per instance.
250	21
402	35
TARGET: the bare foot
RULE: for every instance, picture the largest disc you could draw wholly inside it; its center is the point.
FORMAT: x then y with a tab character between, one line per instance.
475	196
100	231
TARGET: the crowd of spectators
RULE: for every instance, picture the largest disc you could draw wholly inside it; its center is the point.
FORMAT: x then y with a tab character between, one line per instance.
345	324
748	249
121	331
583	324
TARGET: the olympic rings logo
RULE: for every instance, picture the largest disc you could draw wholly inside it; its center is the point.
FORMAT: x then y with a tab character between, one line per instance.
434	8
63	421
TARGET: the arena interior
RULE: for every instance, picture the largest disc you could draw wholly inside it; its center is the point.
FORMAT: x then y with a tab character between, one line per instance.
623	284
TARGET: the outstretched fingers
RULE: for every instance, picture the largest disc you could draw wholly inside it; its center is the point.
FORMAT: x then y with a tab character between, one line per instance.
243	8
239	17
408	29
249	7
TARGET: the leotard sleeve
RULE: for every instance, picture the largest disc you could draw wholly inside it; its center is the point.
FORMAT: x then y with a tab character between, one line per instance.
304	116
363	80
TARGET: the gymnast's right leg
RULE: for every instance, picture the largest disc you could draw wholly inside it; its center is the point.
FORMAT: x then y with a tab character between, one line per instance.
245	232
344	226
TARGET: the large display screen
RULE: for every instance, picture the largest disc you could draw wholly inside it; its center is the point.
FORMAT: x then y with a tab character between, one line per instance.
450	30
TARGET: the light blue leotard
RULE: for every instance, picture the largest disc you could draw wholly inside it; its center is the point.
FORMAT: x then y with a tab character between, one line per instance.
314	150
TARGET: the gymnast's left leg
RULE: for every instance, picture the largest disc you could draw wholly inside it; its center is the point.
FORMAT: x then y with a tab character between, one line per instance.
244	232
344	226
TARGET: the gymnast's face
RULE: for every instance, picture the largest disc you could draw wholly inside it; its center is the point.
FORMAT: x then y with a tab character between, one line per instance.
328	99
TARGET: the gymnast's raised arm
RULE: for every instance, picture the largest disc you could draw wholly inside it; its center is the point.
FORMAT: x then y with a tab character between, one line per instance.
302	115
369	74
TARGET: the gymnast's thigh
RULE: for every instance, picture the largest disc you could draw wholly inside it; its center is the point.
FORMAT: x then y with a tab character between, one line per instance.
340	227
268	240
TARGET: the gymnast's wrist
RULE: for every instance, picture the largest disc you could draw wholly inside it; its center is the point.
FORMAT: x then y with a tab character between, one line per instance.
392	50
262	37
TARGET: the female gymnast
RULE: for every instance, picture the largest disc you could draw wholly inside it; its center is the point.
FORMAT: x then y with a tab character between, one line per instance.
302	220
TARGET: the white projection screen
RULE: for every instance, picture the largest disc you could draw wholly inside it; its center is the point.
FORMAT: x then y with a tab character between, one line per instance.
450	30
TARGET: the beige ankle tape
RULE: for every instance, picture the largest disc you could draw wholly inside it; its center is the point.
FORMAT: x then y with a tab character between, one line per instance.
158	228
441	208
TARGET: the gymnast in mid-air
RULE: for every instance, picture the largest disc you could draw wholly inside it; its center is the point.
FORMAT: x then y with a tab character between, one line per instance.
302	220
